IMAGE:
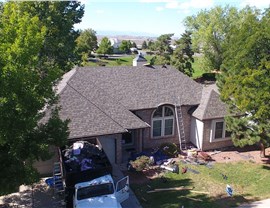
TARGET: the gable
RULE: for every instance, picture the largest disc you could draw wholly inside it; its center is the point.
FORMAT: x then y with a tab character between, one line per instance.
211	106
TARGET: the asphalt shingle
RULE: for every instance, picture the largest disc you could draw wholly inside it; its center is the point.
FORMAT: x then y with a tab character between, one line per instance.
99	100
211	106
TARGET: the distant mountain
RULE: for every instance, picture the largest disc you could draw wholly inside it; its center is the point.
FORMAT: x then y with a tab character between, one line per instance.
125	33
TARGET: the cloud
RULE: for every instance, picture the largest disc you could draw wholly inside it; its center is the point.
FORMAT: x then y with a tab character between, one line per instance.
154	1
258	3
184	5
100	11
159	9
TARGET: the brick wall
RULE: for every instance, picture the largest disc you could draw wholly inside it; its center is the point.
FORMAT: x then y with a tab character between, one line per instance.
149	142
207	145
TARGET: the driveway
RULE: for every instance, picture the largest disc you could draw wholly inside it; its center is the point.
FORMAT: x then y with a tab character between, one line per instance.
258	204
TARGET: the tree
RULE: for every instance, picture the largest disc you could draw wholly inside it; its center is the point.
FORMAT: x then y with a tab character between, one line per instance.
144	45
209	32
86	42
59	18
151	45
133	45
105	47
26	86
162	45
125	46
182	57
245	79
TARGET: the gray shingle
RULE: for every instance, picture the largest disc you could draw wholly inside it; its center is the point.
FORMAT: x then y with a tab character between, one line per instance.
211	106
99	100
143	87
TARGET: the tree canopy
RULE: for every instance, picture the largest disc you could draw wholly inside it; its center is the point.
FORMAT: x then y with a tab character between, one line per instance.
59	18
209	32
87	42
182	57
125	46
245	79
31	61
105	47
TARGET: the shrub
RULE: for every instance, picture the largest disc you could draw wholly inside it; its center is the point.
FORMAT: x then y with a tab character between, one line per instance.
141	163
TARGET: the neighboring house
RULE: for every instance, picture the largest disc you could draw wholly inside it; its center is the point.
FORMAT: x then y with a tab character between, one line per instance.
133	108
115	43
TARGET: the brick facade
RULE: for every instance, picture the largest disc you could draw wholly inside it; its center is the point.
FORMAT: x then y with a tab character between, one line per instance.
206	144
148	142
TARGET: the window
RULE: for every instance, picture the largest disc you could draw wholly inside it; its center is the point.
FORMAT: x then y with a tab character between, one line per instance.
163	122
219	132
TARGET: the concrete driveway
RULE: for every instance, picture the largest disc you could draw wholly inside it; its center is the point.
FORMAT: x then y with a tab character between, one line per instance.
258	204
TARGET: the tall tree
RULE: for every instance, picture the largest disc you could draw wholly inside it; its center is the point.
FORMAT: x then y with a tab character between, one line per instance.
133	44
162	45
209	31
144	45
26	86
87	42
245	79
105	47
125	46
182	57
59	18
151	45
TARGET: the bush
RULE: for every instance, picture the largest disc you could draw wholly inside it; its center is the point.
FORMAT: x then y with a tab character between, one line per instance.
169	149
141	163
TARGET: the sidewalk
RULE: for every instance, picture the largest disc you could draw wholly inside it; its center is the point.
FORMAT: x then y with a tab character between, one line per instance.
132	201
258	204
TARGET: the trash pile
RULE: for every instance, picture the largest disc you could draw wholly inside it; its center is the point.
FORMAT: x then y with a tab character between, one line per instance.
156	158
82	156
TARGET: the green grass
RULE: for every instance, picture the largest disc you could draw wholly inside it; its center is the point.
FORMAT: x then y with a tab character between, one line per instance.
119	61
249	181
127	61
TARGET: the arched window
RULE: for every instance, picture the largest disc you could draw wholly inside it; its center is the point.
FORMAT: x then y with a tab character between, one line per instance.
163	122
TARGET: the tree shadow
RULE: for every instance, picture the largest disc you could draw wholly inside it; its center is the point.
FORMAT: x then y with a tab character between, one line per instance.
265	167
182	198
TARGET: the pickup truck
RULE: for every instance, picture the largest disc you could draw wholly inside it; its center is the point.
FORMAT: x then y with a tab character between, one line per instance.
87	177
101	192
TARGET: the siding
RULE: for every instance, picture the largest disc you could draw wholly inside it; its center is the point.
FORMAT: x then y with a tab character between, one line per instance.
196	132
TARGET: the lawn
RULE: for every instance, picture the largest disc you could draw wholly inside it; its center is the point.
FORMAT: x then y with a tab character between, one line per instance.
127	61
117	61
250	182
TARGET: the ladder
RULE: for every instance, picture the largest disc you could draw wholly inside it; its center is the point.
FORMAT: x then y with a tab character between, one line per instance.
58	184
180	128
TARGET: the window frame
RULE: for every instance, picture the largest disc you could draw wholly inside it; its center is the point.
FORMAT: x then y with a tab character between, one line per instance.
163	119
213	131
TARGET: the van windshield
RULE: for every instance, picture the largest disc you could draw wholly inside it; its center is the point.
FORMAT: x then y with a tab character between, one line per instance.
94	191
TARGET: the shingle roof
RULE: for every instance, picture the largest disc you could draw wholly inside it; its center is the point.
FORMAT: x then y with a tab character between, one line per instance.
211	106
141	87
99	100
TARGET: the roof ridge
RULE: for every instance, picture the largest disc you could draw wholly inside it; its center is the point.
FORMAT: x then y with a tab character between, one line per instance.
64	81
207	102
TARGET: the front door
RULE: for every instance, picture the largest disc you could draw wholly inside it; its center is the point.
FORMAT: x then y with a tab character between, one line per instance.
122	189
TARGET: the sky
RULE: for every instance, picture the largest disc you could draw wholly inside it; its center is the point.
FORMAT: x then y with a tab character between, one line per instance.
149	17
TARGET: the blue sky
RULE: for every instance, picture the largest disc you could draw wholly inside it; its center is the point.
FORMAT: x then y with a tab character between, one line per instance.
152	17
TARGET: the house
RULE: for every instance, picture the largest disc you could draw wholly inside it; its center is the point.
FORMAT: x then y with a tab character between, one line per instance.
134	108
115	43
